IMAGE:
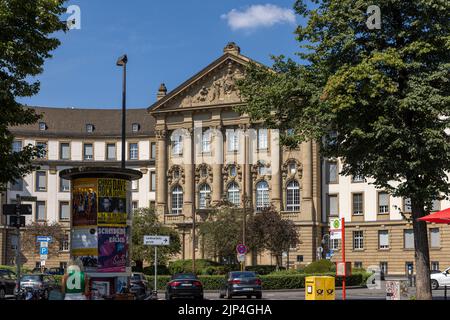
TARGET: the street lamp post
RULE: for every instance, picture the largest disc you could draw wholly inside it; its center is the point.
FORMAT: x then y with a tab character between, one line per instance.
122	62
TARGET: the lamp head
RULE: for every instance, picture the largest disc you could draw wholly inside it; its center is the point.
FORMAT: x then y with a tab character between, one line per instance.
122	60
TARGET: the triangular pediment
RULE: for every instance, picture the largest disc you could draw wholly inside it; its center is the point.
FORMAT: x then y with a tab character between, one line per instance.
214	85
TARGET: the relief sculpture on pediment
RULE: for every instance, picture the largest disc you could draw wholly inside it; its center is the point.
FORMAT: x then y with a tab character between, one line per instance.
217	90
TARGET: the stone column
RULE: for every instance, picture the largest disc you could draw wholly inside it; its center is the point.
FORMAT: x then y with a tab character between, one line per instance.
161	172
307	182
218	160
276	168
189	178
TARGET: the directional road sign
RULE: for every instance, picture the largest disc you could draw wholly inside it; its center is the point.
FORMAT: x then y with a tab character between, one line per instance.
43	250
11	209
43	238
156	240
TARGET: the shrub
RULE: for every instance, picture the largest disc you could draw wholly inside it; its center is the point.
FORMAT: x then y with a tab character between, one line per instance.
320	266
263	269
180	266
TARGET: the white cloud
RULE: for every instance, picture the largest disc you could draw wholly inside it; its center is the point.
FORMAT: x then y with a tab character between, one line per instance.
257	16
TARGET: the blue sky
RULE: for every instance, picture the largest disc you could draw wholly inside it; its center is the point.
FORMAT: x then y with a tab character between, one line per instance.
166	41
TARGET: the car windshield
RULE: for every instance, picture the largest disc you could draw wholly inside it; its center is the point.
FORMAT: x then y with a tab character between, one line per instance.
31	278
243	275
184	276
136	277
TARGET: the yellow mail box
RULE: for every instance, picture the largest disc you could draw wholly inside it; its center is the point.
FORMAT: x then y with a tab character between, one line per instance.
320	288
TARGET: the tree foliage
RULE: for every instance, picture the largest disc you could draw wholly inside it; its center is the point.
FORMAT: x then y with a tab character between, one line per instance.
26	40
145	222
32	231
270	232
385	92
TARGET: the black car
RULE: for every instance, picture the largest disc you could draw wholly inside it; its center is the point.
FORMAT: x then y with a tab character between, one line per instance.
241	283
7	283
45	283
184	285
56	271
138	285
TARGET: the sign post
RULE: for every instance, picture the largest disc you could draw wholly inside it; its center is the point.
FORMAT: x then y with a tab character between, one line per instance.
337	231
156	241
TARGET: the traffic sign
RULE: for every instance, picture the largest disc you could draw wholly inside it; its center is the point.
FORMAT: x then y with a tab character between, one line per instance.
43	257
156	240
14	223
11	209
43	251
241	248
44	244
335	229
43	238
241	257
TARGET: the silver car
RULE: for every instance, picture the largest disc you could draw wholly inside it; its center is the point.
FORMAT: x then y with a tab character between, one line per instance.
241	283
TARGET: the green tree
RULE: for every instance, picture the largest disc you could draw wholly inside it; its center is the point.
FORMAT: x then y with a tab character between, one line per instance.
145	222
26	29
384	92
221	232
267	230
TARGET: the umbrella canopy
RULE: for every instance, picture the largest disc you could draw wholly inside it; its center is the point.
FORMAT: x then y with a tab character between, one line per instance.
442	216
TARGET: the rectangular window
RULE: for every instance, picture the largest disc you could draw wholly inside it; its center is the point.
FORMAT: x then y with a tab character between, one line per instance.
64	185
133	151
152	181
17	185
40	211
232	140
407	205
358	240
334	244
436	205
435	238
332	205
135	205
358	204
358	265
384	267
383	203
111	151
41	180
434	265
332	172
263	139
358	178
17	146
408	239
88	151
177	144
42	149
153	150
64	211
64	244
383	239
206	141
64	151
135	185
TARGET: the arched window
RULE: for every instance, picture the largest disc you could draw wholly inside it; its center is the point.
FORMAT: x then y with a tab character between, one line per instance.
293	196
233	194
177	143
262	195
177	200
204	192
233	171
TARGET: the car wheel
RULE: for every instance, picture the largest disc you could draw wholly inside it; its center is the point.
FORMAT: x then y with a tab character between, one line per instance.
221	296
259	296
2	293
249	296
46	295
434	284
228	294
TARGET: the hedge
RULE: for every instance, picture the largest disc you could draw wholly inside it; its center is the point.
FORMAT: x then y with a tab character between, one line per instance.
269	282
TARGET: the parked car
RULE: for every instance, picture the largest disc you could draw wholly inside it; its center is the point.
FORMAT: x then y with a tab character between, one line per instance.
7	283
440	279
241	283
138	285
45	283
184	285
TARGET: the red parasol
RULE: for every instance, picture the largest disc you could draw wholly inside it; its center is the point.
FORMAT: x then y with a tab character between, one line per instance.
442	216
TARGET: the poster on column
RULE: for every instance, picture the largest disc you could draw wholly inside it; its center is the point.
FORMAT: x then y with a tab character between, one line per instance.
84	202
112	249
112	202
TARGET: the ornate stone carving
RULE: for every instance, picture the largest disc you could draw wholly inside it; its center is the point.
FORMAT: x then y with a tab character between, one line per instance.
172	178
255	171
221	88
199	178
161	134
286	175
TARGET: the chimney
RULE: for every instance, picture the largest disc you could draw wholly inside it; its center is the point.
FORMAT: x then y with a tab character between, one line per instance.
162	91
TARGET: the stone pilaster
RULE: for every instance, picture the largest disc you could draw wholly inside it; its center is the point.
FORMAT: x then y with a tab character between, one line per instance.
217	165
275	168
307	182
188	156
161	172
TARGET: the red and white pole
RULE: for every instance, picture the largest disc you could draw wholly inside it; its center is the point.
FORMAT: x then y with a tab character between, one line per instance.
343	258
